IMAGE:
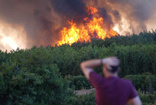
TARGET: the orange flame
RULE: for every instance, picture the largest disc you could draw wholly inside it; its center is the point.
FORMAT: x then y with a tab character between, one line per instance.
85	32
92	10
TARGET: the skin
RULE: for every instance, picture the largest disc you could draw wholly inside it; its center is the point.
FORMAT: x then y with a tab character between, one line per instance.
87	67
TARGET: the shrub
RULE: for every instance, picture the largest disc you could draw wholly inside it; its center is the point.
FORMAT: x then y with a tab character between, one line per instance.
78	82
87	99
144	82
147	99
33	80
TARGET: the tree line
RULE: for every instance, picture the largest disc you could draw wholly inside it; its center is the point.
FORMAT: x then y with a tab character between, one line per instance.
29	75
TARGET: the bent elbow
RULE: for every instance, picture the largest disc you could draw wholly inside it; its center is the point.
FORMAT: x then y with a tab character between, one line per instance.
136	101
81	65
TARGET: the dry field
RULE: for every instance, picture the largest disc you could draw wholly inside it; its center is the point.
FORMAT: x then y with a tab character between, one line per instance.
83	91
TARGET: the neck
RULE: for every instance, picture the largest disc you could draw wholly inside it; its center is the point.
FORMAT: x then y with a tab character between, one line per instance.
111	75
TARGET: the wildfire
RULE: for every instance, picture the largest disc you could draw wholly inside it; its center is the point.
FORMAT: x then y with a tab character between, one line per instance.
93	28
11	37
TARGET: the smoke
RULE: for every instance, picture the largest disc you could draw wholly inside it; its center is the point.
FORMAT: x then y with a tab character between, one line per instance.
37	17
42	20
131	16
70	9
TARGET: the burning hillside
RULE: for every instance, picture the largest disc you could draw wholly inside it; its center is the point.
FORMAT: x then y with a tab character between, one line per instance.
90	28
27	23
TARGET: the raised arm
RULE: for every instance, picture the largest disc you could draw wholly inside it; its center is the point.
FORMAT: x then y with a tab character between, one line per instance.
87	66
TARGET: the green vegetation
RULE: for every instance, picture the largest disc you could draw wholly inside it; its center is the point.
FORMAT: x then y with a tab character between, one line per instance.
89	99
29	78
48	75
78	82
146	83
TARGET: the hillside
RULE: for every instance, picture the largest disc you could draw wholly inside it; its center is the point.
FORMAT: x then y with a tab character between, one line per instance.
29	75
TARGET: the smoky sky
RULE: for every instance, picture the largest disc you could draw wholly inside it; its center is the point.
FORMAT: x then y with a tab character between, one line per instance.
69	8
43	19
136	12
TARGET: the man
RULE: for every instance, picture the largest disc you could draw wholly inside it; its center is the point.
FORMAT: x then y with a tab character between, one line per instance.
110	90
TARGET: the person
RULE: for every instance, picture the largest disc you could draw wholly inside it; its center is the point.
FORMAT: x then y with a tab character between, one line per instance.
110	89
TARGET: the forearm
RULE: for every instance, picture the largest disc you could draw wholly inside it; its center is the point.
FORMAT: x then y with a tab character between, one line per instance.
135	101
87	66
91	63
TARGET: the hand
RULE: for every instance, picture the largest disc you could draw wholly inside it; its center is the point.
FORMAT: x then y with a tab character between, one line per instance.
111	61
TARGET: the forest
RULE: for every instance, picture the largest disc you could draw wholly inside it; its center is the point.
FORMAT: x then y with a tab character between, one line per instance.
50	75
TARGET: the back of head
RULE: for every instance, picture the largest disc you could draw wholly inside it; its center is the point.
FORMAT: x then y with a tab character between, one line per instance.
112	64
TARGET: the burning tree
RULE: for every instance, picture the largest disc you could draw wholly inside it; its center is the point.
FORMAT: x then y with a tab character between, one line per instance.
91	27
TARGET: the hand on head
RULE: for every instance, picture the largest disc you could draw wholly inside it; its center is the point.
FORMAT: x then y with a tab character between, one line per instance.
110	62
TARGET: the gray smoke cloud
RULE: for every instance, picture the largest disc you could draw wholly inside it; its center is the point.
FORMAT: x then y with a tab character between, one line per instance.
38	18
136	12
43	19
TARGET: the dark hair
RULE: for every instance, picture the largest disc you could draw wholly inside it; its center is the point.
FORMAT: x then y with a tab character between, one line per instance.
114	68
